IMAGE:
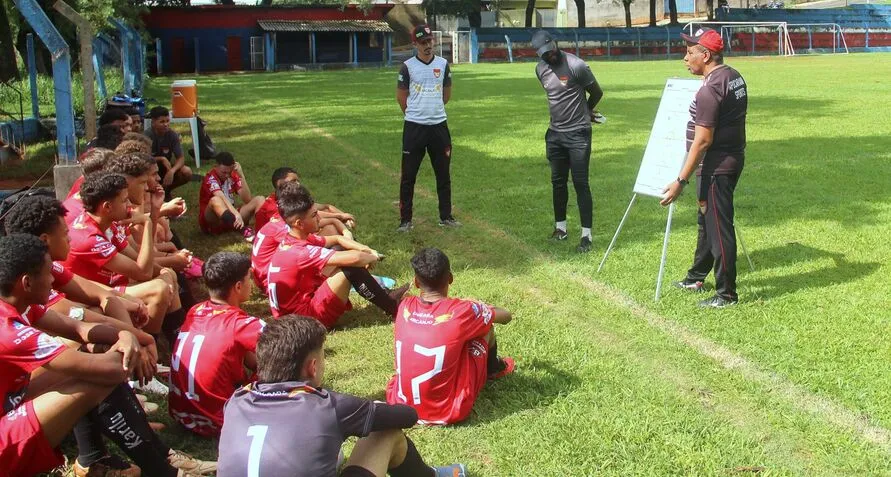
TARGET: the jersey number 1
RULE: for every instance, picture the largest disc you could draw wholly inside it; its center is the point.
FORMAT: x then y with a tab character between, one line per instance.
258	435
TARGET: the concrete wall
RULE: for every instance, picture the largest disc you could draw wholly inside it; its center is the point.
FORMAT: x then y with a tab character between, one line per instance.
612	13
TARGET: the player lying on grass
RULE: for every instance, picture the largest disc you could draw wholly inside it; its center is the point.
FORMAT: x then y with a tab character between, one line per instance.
50	389
445	347
215	347
311	275
259	436
333	220
217	212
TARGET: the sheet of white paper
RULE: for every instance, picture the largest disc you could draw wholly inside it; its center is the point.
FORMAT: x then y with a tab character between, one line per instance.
667	148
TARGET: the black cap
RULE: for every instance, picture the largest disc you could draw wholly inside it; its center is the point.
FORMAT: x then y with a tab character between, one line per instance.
543	42
421	32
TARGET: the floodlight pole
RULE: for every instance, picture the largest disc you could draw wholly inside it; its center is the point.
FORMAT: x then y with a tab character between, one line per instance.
85	37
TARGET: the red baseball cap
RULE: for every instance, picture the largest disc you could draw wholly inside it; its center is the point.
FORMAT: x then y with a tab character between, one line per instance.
706	37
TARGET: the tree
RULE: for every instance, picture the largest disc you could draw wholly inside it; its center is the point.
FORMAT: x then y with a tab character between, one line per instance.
627	5
530	12
8	68
469	9
673	11
710	6
580	6
652	13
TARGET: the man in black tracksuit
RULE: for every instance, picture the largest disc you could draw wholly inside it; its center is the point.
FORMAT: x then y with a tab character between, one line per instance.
716	142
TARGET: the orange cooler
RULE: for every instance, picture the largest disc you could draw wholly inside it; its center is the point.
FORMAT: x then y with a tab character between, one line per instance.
185	98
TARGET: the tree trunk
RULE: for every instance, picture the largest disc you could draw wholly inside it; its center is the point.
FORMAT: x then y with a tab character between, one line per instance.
530	12
627	6
580	6
475	17
673	11
710	5
8	67
652	13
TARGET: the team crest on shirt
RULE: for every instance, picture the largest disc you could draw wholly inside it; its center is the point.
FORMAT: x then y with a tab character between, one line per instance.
437	72
563	80
45	346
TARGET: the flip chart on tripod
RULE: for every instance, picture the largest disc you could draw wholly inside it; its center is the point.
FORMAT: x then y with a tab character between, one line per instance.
667	148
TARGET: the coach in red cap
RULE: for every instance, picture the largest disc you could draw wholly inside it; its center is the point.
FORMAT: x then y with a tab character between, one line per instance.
716	145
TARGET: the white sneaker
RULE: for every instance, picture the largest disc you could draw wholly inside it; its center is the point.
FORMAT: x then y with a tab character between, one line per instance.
154	386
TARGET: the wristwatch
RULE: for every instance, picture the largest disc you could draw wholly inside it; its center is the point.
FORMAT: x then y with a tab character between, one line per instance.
76	314
683	182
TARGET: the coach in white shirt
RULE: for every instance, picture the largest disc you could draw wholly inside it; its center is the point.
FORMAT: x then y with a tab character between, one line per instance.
422	91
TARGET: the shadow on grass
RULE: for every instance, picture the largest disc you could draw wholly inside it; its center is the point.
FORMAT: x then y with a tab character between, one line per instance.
841	271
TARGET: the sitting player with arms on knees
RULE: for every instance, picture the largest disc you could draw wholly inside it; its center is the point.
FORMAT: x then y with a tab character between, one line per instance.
49	389
449	341
259	435
273	229
333	220
216	202
99	254
311	275
74	296
225	336
167	150
91	162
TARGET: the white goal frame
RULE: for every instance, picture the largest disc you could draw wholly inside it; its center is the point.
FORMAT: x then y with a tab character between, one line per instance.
461	47
784	45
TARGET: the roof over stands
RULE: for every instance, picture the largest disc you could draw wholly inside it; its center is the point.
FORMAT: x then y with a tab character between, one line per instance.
325	26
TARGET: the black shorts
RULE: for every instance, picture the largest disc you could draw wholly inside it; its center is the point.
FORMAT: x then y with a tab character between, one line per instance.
356	471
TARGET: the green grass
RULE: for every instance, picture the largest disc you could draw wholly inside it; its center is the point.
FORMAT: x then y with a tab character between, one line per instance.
610	382
10	100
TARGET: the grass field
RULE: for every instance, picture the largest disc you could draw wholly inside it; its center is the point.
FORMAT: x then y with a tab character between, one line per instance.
794	380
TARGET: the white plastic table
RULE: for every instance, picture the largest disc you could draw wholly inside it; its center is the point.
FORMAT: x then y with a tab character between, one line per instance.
193	125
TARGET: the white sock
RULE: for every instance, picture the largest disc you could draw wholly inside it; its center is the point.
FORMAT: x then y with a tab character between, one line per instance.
586	232
561	225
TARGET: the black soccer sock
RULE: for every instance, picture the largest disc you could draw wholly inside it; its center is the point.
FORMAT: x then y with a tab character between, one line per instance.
369	289
172	323
121	418
185	293
176	240
493	362
413	465
90	446
228	218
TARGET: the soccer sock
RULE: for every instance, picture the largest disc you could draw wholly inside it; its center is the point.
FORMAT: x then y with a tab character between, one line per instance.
228	218
370	289
176	241
121	418
90	446
172	323
186	299
413	465
493	362
586	232
561	225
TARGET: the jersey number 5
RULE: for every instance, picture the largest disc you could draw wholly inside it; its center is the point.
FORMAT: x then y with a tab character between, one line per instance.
438	353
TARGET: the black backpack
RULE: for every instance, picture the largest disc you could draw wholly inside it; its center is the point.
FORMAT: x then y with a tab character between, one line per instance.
205	143
9	202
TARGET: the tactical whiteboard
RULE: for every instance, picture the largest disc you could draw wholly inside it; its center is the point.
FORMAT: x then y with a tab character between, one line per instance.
667	148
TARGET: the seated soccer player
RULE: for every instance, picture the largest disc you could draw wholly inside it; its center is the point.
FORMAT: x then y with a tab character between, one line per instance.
119	118
445	347
91	162
225	336
259	435
216	201
107	137
311	275
167	150
99	249
74	296
333	220
49	389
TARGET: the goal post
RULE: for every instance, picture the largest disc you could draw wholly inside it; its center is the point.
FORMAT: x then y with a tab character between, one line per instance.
731	30
461	47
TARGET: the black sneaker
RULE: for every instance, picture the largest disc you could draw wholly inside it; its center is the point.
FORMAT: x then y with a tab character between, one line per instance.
693	286
449	222
584	245
559	235
405	226
716	302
